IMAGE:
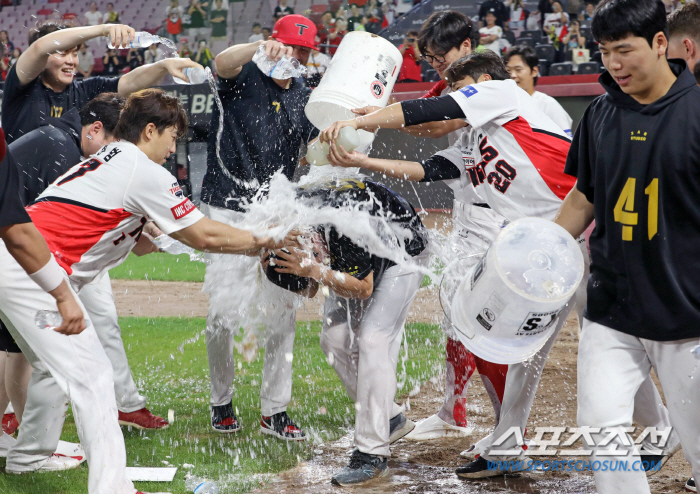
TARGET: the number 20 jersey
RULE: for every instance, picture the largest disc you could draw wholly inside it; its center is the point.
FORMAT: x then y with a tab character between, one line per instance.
93	215
511	152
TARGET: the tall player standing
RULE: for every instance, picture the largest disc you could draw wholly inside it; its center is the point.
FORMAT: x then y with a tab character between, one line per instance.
635	155
92	217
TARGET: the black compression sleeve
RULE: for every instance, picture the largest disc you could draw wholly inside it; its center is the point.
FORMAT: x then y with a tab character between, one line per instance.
439	168
418	111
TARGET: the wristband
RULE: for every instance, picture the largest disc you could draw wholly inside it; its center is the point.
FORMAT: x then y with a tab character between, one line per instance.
48	277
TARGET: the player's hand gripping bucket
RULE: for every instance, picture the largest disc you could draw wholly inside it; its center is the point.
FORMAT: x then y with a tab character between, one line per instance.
362	73
508	305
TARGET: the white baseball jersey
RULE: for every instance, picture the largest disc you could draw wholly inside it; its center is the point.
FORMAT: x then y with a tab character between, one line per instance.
93	215
511	153
554	110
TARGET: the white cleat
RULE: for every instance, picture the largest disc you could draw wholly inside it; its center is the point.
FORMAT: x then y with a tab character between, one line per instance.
478	449
53	464
6	442
71	450
435	428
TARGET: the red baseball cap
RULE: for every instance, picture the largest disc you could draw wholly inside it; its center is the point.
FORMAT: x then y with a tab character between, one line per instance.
296	30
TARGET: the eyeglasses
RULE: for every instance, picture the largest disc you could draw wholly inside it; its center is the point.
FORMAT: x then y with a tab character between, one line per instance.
433	58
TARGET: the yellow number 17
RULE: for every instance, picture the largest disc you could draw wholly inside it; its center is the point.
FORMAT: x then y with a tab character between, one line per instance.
624	209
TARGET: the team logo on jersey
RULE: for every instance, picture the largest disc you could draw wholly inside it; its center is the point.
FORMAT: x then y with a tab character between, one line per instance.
176	190
182	209
377	89
112	154
468	91
469	162
639	136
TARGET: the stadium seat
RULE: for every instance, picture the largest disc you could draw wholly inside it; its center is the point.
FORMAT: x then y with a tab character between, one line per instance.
535	35
543	68
588	68
545	52
561	69
524	41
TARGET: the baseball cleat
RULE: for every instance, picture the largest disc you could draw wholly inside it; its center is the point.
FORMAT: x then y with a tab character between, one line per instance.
282	427
71	450
143	419
399	427
478	469
9	423
690	485
6	442
654	459
53	464
223	419
361	468
435	428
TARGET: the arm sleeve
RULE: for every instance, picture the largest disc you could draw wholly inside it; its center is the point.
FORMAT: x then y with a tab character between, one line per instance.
580	160
13	88
240	81
418	111
349	258
488	102
11	210
443	165
156	195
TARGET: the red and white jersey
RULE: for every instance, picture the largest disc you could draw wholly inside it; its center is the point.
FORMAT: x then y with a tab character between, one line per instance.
511	152
93	215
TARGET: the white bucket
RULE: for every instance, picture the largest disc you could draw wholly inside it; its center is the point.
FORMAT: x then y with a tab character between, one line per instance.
508	305
362	73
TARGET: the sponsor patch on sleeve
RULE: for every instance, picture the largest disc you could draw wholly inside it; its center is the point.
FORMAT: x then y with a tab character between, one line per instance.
469	91
183	209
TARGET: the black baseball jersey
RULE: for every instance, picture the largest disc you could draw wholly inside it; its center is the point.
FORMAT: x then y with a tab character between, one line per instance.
264	128
639	165
46	153
11	208
25	108
348	257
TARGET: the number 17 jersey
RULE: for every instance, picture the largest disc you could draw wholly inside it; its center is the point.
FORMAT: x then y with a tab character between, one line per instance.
93	215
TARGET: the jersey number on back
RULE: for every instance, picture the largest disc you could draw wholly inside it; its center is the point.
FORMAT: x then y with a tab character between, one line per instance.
88	166
624	208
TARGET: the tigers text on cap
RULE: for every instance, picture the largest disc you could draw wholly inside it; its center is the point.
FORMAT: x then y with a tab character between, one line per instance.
296	30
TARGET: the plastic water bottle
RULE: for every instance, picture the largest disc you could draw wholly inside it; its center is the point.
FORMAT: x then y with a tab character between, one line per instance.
201	486
285	68
318	151
195	75
48	319
696	352
142	39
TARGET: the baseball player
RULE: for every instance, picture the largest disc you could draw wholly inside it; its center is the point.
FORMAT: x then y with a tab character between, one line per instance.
506	128
364	315
92	217
634	154
264	129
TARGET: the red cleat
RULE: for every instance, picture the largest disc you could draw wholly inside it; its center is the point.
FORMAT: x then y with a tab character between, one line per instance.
9	423
143	419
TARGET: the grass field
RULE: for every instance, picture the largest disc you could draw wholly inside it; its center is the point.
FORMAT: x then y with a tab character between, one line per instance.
168	359
159	267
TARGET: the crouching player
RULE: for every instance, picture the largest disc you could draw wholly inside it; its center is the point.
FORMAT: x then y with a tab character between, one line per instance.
91	218
364	315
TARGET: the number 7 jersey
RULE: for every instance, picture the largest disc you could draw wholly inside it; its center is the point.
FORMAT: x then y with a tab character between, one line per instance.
93	215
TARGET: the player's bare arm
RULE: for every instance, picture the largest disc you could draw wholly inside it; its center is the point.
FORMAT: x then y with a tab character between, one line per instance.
297	262
32	62
150	75
575	213
211	236
404	170
144	246
28	247
230	61
391	117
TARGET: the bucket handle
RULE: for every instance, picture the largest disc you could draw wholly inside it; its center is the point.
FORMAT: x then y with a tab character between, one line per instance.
442	282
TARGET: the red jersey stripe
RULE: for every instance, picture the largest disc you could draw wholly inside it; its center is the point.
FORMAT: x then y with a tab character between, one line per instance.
547	153
71	230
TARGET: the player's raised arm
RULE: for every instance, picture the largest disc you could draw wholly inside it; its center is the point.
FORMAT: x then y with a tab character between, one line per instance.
211	236
230	61
150	75
33	61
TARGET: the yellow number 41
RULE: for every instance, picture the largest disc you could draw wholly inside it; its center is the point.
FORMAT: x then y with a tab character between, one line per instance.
624	209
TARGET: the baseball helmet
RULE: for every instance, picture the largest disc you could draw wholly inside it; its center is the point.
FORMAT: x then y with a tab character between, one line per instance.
296	30
290	282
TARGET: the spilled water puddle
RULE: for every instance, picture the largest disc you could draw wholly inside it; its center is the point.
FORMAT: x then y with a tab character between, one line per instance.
408	476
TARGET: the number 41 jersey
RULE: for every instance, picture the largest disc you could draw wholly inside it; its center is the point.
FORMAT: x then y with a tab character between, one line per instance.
93	215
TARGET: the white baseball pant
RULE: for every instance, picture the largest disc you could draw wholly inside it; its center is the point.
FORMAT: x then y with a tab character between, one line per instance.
78	365
611	368
361	340
276	388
